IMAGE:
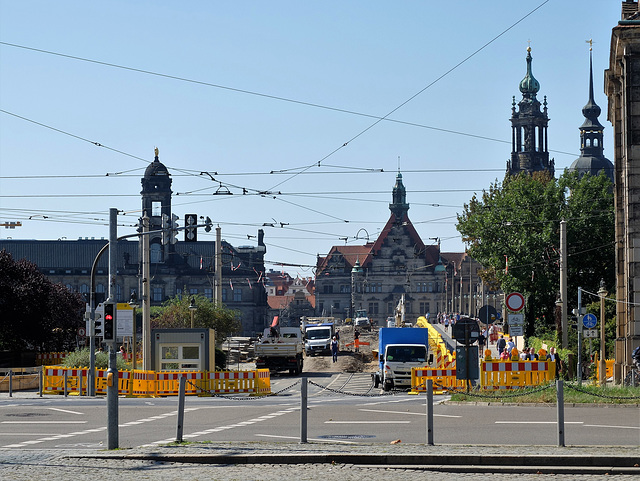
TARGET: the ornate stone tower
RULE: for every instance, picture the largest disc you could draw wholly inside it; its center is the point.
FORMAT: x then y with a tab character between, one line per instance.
592	159
399	206
156	201
529	145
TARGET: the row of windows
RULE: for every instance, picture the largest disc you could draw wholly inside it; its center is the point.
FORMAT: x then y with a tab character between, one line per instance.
373	308
157	293
377	287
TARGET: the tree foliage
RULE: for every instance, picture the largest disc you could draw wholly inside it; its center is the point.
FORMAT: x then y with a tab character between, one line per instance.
34	312
517	224
175	313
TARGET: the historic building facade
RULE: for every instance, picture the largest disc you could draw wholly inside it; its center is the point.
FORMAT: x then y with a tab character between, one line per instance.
182	269
375	276
622	86
529	141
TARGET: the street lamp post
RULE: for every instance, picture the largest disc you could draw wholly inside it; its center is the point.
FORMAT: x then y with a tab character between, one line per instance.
133	302
602	293
193	308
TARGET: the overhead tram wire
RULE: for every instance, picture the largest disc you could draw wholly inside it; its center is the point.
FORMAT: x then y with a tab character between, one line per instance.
378	120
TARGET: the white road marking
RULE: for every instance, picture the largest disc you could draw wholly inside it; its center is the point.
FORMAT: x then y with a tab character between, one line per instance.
65	411
367	422
44	422
537	422
607	426
403	412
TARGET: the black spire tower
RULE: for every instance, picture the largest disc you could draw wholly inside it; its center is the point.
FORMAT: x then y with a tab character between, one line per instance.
592	159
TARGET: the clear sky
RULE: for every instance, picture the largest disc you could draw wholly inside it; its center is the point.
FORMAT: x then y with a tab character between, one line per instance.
283	99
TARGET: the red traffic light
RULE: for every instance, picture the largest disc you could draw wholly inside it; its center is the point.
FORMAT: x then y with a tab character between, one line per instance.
108	317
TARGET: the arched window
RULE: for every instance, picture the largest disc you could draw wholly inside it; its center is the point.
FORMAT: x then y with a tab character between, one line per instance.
100	288
155	253
84	289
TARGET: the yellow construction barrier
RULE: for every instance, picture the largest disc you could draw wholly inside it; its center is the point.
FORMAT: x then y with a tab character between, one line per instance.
50	358
443	379
163	383
444	358
515	374
609	367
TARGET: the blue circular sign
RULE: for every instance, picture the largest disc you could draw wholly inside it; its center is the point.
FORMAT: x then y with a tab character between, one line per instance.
589	321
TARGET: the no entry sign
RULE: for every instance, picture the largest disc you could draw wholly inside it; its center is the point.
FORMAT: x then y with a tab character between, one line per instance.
515	301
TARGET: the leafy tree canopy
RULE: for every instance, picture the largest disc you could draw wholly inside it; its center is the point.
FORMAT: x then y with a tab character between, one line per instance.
513	229
34	312
175	313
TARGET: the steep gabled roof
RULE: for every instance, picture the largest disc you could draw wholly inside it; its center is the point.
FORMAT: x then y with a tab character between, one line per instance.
351	254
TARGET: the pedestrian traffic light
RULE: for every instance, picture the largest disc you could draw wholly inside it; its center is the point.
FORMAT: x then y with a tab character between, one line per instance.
109	322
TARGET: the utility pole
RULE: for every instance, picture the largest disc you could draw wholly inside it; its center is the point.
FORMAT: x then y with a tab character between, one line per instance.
563	283
579	318
218	266
146	299
112	373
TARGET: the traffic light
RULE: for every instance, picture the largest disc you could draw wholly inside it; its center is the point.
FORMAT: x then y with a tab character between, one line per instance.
169	229
174	229
109	322
98	325
207	222
190	231
166	228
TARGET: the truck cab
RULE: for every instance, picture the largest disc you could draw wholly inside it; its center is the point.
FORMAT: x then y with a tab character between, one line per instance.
401	349
318	338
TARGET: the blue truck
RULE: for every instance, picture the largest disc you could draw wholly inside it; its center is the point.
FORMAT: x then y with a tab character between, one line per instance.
399	350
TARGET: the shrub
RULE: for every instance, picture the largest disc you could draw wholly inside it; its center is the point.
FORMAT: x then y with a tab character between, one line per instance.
81	359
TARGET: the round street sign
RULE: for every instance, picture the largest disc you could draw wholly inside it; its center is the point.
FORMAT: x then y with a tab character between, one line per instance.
589	321
515	301
466	331
82	331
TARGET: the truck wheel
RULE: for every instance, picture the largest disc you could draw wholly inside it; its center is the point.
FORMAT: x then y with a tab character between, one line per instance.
387	386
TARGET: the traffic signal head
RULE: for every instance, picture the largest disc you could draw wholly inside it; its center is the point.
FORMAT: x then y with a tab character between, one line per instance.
109	322
191	229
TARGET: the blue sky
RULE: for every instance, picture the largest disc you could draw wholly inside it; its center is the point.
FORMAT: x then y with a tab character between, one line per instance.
280	97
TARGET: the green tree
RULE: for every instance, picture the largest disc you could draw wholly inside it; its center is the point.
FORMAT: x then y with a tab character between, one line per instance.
517	223
175	313
35	314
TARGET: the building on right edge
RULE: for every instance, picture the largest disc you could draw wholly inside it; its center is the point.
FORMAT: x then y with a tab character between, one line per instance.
622	86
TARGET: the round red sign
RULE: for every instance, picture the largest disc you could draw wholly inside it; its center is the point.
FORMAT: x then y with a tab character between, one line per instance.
515	301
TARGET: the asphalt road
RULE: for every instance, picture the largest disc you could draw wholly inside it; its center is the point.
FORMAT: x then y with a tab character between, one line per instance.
55	422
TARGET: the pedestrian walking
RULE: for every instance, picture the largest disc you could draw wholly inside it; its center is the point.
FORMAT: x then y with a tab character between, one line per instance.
334	349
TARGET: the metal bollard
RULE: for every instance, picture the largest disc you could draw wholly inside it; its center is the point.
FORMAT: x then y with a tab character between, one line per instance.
40	381
181	395
64	377
560	400
303	410
79	382
10	383
430	412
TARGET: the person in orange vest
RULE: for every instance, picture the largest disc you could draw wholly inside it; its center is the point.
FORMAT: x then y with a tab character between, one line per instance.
356	339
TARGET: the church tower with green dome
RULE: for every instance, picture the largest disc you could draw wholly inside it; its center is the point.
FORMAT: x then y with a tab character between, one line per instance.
529	141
